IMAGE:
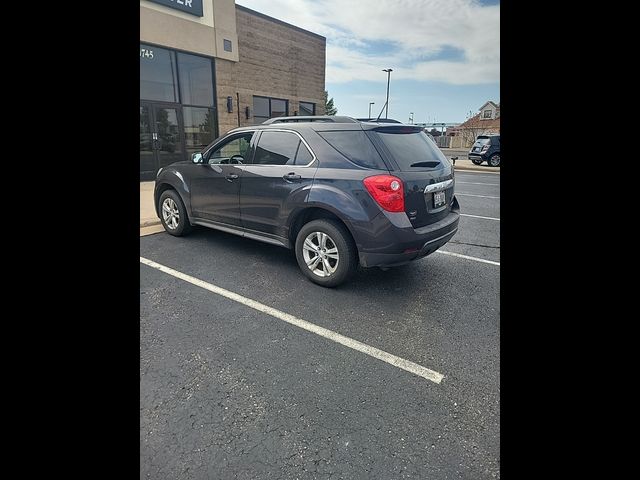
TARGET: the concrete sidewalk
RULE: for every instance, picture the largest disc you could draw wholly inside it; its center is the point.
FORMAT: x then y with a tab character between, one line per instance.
147	211
463	163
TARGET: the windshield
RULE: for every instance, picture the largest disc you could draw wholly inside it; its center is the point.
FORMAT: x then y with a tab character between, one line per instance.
482	141
411	151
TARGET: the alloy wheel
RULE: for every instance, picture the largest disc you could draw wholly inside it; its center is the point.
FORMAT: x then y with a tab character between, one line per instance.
170	213
320	254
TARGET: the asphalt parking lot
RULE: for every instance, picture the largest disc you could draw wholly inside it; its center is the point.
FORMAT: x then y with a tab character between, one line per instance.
230	390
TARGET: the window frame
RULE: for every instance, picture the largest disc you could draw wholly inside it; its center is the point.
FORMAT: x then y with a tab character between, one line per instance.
206	155
484	115
303	142
286	101
213	79
174	73
308	103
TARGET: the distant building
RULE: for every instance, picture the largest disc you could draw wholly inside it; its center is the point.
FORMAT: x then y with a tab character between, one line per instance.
486	121
207	66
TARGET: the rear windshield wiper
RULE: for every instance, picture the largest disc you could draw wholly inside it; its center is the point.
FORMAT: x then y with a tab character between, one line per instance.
425	164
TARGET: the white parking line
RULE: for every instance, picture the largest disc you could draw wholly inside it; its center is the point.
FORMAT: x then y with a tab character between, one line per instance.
471	195
473	172
475	259
478	183
478	216
310	327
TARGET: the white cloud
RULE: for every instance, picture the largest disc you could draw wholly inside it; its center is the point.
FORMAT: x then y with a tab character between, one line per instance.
418	29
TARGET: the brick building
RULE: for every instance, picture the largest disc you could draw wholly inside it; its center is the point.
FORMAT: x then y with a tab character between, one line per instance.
207	66
485	122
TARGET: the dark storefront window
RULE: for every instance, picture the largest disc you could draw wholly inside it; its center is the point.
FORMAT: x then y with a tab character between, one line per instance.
307	108
261	109
199	128
178	114
265	108
196	80
278	108
157	74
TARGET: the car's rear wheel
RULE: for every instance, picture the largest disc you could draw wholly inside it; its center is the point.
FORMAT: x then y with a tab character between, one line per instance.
494	160
173	213
476	161
325	252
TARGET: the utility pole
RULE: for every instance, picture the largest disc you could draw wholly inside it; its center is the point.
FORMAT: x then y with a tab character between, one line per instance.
370	103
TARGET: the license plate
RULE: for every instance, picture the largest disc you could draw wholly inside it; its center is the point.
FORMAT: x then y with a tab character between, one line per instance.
439	199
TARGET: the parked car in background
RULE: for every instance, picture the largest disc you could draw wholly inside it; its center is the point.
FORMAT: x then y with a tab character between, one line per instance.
339	193
486	149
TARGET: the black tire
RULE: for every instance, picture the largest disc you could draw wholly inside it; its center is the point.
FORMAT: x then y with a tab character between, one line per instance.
347	261
476	161
183	226
494	160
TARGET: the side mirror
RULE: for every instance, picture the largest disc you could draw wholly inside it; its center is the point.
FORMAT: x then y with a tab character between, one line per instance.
196	157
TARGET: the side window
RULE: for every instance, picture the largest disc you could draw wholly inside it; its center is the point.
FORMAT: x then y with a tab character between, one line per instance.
276	148
304	156
356	146
232	150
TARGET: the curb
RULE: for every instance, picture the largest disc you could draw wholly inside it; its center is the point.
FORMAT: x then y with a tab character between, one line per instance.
472	169
150	223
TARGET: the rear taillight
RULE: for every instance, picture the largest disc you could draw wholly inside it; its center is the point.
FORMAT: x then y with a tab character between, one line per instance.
387	191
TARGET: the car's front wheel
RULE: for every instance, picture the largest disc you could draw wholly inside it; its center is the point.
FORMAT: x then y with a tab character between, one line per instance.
494	161
173	213
476	161
325	252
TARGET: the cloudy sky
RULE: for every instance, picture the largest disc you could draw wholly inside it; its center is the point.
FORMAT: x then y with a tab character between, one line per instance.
445	54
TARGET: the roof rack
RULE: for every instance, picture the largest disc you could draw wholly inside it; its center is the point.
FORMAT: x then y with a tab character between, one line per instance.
309	118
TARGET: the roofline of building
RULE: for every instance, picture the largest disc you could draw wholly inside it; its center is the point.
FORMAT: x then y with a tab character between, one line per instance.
271	19
487	102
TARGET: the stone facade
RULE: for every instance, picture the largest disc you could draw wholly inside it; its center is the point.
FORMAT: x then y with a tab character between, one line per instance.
275	60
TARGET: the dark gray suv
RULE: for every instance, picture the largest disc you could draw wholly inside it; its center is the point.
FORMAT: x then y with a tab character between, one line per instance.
338	191
486	149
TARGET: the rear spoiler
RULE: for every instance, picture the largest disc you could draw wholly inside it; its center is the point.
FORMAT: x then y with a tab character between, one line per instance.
398	129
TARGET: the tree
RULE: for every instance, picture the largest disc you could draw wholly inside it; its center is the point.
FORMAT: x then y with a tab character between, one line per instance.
472	128
329	108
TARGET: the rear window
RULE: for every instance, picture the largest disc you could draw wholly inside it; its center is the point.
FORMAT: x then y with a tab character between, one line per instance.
355	145
482	140
411	151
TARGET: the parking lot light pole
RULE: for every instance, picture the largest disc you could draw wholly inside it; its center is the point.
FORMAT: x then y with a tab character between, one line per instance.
370	103
388	70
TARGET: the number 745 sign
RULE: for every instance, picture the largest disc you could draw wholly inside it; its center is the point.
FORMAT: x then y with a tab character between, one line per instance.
146	53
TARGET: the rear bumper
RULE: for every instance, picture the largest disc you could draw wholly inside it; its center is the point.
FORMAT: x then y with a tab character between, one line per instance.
477	156
411	244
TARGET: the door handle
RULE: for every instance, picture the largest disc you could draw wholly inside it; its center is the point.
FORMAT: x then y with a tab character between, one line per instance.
291	176
231	177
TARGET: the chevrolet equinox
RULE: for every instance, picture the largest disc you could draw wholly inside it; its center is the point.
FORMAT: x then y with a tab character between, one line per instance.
337	191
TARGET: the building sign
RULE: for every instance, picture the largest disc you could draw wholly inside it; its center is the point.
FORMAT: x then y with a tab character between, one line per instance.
194	7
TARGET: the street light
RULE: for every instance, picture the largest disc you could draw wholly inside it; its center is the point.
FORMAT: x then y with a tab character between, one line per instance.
388	70
370	103
411	118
